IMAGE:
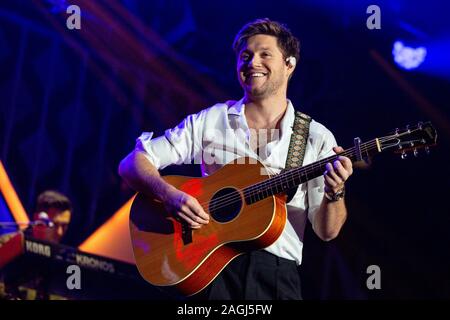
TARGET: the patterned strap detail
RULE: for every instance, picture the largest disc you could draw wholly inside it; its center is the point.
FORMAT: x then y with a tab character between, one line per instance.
299	138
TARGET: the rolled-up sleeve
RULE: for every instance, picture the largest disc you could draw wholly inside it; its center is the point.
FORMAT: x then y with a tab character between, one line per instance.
316	186
177	146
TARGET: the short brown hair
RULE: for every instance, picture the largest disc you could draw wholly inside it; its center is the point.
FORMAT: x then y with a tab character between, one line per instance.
287	42
53	199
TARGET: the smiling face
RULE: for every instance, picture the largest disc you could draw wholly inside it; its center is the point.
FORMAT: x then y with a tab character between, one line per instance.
262	68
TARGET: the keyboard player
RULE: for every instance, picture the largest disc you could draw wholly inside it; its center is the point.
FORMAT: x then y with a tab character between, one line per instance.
50	222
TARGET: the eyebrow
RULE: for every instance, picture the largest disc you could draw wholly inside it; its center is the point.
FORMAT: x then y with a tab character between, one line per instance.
260	49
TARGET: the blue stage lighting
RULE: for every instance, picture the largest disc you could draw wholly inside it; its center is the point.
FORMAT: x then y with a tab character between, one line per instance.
407	57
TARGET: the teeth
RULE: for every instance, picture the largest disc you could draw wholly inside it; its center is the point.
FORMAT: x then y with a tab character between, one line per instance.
256	74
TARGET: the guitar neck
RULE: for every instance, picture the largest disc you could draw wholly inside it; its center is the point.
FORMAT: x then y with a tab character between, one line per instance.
294	177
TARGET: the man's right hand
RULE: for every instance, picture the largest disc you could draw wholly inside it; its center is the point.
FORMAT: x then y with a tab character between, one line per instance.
185	208
142	176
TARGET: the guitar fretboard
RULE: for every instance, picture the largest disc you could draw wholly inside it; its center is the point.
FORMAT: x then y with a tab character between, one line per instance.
295	177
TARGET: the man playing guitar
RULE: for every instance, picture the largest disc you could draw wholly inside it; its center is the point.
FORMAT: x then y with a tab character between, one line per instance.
258	126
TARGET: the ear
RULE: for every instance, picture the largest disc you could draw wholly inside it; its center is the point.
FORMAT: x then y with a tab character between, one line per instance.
291	61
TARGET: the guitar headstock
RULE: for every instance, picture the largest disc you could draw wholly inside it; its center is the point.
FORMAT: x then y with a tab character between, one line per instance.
410	139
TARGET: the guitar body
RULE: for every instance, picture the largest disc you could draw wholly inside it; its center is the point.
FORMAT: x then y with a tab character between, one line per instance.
170	254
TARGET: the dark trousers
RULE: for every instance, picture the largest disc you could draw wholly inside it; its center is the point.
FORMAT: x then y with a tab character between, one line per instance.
258	275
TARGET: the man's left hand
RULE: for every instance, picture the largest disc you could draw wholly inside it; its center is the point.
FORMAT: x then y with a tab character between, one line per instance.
337	173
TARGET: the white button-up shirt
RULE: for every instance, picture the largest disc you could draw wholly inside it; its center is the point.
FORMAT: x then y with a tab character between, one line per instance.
217	135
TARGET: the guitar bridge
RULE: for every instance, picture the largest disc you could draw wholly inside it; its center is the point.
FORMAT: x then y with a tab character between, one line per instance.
186	233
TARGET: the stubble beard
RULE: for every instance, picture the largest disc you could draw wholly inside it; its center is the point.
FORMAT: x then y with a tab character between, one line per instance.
269	88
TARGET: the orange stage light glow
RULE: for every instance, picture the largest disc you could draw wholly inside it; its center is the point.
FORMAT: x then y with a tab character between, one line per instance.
11	198
112	239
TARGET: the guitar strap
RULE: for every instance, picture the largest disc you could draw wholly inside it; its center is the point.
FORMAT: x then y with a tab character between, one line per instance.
297	145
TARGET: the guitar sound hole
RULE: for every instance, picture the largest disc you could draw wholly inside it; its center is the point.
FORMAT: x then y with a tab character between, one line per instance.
225	205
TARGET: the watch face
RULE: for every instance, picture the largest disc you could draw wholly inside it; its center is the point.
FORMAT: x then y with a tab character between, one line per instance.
339	195
336	196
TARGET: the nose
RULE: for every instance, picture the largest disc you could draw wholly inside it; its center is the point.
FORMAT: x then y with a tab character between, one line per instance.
60	231
255	61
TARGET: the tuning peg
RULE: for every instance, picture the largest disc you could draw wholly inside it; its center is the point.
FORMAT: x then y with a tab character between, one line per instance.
397	130
420	125
427	150
404	155
416	152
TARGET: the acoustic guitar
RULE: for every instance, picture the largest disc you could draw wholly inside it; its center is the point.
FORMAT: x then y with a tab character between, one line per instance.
247	209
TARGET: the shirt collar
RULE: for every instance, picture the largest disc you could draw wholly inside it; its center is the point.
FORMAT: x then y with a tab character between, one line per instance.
287	121
237	109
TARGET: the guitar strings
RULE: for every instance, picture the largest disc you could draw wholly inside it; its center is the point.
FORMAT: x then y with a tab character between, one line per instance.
257	188
261	187
316	165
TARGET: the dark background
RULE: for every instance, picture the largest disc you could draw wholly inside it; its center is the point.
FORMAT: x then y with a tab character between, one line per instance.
72	103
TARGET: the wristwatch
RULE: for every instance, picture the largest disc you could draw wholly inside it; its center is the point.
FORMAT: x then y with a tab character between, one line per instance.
338	195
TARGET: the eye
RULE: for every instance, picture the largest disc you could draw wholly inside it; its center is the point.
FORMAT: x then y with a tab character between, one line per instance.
245	57
266	54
